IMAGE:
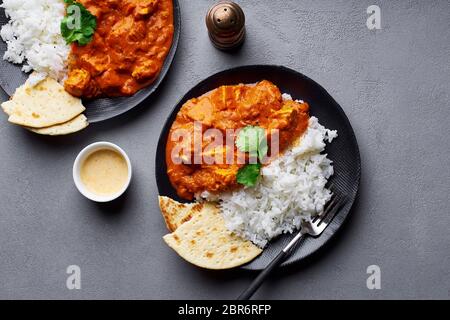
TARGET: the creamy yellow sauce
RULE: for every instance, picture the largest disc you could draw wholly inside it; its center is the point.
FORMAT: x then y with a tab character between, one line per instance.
104	172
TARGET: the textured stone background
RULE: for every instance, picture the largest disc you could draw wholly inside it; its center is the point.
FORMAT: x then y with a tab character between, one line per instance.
392	83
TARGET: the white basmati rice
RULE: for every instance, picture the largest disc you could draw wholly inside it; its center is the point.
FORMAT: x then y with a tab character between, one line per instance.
33	37
291	189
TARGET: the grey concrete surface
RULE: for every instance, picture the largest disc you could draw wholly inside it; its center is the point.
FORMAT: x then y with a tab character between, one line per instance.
392	83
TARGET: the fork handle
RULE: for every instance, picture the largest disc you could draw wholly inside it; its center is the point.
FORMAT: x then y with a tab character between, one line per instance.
248	293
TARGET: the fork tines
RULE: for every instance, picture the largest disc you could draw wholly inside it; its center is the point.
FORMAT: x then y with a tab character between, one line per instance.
330	210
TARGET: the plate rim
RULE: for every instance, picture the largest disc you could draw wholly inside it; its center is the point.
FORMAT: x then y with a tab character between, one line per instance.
352	198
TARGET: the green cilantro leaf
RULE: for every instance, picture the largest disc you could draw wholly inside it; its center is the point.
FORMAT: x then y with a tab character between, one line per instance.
248	175
253	140
262	149
81	31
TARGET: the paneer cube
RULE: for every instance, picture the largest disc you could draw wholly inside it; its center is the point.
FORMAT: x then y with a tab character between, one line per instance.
77	82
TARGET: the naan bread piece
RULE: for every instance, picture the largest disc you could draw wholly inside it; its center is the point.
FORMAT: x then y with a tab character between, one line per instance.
77	124
205	241
175	213
7	107
41	106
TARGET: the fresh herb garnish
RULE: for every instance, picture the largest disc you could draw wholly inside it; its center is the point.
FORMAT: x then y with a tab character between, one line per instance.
253	140
248	175
79	24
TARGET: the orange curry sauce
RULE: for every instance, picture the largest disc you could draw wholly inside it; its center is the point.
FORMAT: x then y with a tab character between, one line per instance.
230	107
132	40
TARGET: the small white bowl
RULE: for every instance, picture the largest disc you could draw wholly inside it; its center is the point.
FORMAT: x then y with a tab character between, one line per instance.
82	156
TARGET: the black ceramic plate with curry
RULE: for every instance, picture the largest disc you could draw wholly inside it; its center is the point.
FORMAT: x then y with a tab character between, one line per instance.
344	151
109	82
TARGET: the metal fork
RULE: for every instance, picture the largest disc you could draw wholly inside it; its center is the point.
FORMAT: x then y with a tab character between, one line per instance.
313	228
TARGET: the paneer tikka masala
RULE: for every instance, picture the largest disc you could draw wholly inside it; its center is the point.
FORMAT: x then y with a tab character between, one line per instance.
231	107
132	40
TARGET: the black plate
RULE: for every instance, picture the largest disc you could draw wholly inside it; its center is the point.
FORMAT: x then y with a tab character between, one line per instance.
11	77
343	151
